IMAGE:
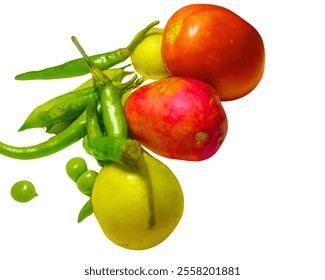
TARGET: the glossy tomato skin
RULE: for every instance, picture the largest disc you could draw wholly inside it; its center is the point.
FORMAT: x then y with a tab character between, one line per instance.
179	118
215	45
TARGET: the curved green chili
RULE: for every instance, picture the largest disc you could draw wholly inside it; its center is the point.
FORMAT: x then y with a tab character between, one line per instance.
67	137
79	67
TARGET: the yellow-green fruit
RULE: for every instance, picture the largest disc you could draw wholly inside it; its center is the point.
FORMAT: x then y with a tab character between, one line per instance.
130	213
146	57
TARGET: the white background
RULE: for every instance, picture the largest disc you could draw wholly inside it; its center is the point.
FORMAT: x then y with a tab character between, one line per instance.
258	204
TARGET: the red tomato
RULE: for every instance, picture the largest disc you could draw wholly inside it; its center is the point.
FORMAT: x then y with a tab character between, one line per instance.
179	118
215	45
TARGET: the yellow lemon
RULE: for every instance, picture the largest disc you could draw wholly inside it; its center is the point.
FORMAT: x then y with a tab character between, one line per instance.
132	213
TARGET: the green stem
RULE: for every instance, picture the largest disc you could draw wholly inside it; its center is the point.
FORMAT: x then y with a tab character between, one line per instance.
143	168
132	155
140	36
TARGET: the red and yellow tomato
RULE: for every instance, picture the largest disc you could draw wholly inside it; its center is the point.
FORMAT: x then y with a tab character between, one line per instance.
179	118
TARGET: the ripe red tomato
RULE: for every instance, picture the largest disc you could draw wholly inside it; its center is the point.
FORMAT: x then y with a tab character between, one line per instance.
215	45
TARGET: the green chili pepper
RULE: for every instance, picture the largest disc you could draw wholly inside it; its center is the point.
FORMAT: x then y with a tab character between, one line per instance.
56	114
107	148
114	146
85	211
67	137
63	108
45	117
79	67
76	67
102	148
113	115
112	112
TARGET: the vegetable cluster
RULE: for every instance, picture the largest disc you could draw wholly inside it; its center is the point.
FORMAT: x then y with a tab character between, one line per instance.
205	55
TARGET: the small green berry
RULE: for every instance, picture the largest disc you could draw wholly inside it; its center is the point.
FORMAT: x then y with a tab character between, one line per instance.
86	181
75	167
23	191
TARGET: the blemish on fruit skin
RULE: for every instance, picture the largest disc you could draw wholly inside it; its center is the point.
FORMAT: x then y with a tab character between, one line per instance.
174	32
201	137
